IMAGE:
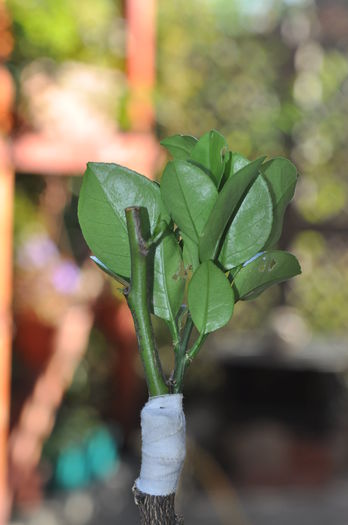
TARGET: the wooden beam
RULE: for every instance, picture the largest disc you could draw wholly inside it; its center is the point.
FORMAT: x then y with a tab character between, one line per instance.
6	209
7	94
141	62
39	411
42	155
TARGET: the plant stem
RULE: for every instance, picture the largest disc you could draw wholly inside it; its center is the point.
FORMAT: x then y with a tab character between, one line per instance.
156	510
196	348
174	332
185	358
138	300
180	357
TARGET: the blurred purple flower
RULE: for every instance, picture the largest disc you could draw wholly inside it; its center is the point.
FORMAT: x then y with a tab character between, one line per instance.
65	277
36	252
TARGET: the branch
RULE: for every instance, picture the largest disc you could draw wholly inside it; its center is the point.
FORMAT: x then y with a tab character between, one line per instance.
180	356
138	298
191	354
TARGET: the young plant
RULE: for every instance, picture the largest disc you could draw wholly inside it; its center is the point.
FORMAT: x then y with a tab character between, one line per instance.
186	251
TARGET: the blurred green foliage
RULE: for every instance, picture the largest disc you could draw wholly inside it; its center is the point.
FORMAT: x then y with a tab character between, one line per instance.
322	297
89	31
214	73
266	75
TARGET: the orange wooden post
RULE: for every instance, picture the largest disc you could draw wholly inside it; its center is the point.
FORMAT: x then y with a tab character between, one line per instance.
6	205
6	200
141	62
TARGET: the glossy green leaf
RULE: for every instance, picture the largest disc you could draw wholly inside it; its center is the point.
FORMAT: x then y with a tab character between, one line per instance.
225	206
211	151
233	272
238	162
269	268
189	195
169	284
234	162
190	253
180	146
251	226
107	189
210	298
281	176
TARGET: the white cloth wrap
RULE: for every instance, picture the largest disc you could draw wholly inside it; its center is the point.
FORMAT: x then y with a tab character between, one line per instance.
163	445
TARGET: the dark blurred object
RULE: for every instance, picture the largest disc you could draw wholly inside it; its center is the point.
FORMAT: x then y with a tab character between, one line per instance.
280	426
333	17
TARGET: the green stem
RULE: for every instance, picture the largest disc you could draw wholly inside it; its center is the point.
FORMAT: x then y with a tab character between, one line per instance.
180	357
196	348
138	301
185	360
187	333
174	333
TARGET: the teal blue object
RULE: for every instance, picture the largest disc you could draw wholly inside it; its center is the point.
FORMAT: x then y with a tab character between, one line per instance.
101	453
72	469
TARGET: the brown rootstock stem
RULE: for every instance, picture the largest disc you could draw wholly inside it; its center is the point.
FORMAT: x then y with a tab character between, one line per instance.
156	510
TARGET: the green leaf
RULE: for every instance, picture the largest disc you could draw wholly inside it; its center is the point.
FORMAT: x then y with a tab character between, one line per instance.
281	176
238	162
250	228
268	268
234	162
190	253
210	298
233	272
210	151
107	270
225	206
189	195
169	284
179	146
107	189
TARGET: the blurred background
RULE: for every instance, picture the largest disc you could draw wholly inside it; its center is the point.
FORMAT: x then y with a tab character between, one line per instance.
266	401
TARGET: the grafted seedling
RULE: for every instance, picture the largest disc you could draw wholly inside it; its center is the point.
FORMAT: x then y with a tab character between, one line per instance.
190	248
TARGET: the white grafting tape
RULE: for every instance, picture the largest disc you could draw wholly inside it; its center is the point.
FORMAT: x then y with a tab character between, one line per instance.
163	445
